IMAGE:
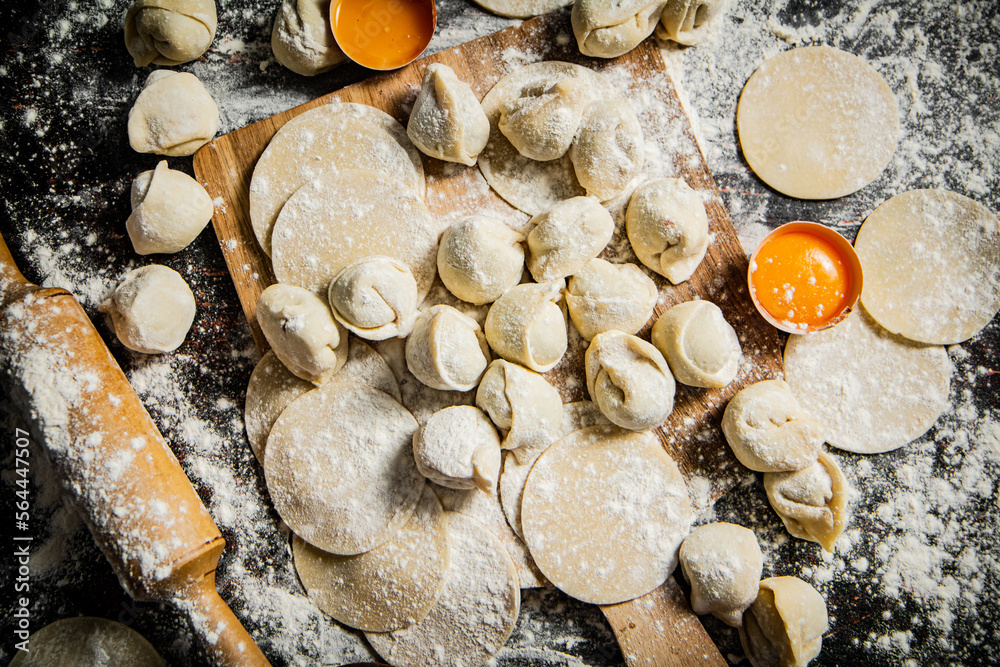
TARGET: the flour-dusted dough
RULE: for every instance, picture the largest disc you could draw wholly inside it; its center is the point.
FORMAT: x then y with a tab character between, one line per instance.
629	380
667	226
523	405
169	32
688	21
768	429
151	310
609	29
169	209
447	349
475	612
302	38
375	298
817	123
459	448
701	347
527	327
341	218
447	121
542	121
328	140
785	624
604	512
931	260
521	9
83	640
722	562
173	115
608	151
390	587
603	296
567	236
873	391
811	502
480	258
339	467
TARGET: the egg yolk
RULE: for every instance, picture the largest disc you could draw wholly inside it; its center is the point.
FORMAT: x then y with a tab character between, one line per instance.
801	278
382	34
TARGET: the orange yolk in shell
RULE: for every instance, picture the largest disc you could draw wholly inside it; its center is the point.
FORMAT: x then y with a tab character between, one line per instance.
382	34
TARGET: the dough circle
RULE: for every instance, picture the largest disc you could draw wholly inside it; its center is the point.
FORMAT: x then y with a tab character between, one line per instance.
78	641
817	123
873	391
521	9
604	512
931	260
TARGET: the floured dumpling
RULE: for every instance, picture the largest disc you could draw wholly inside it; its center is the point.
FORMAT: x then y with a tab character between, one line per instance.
567	236
459	448
301	330
629	380
527	327
523	405
811	502
701	347
785	624
603	296
608	150
302	39
169	210
375	298
688	21
480	258
769	431
447	121
173	115
722	562
609	29
667	226
169	32
543	121
447	349
151	310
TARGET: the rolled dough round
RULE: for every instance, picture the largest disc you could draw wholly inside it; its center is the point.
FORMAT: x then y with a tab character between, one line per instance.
85	641
522	9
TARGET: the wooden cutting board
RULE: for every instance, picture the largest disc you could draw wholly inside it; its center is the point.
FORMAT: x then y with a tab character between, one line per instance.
658	629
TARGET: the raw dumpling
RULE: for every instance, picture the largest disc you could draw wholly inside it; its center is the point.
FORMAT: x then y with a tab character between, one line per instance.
480	258
300	328
527	327
567	236
769	431
811	502
302	39
722	562
688	21
785	624
85	640
523	405
629	380
169	209
667	226
459	448
151	310
173	115
169	32
447	350
608	151
542	123
609	29
603	296
701	347
375	298
447	121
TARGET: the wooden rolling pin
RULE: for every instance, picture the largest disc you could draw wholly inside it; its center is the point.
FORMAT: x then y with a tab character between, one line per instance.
122	476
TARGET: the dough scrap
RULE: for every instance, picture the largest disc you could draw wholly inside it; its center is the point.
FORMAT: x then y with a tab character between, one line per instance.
522	404
173	115
667	226
785	624
567	236
931	261
169	32
151	310
608	151
609	29
542	121
375	298
302	39
689	21
629	380
701	347
83	640
526	326
447	121
521	9
459	448
817	123
603	296
480	258
722	562
812	502
169	210
447	350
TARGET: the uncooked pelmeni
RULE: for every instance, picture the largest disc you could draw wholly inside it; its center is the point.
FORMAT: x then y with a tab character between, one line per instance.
609	29
302	38
527	327
521	9
688	21
173	115
375	298
169	32
785	624
812	502
603	296
667	226
83	640
608	150
151	310
722	562
390	587
701	347
447	121
447	350
769	431
567	236
931	260
459	448
542	121
873	391
629	380
169	210
604	513
301	330
817	123
480	258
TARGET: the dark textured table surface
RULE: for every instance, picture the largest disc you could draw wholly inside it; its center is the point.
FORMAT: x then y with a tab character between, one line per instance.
912	582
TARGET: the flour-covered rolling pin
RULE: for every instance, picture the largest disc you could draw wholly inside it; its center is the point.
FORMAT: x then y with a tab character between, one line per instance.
122	476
